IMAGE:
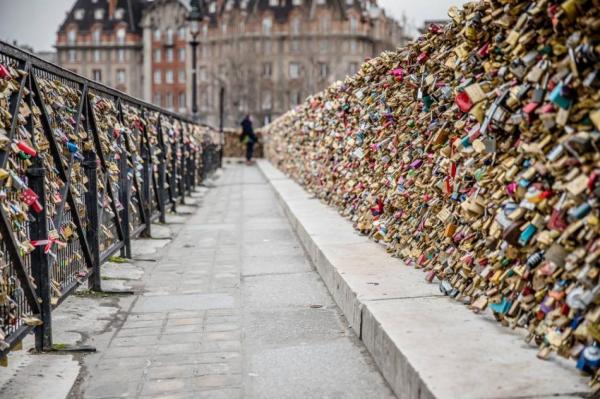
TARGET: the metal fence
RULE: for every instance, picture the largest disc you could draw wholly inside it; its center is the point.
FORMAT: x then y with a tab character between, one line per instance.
83	169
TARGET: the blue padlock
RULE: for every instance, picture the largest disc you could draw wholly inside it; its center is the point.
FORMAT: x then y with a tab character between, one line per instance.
558	97
72	147
527	234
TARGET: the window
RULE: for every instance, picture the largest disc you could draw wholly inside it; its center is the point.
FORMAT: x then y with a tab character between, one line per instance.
119	13
79	14
98	13
273	3
323	70
295	98
295	26
169	76
96	36
353	24
121	55
297	2
97	55
157	99
169	100
72	36
267	101
353	47
157	77
295	46
121	76
202	74
353	68
267	47
72	55
267	70
182	54
294	71
157	34
169	55
267	24
181	77
170	36
181	32
224	28
323	45
97	75
181	100
325	23
157	55
121	36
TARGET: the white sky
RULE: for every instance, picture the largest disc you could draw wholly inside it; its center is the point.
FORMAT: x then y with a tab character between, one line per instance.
34	22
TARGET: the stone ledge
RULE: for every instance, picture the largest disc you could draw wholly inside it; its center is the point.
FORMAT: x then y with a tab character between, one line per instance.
426	345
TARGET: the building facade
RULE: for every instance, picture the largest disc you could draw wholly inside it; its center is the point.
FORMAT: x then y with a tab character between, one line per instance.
102	40
263	56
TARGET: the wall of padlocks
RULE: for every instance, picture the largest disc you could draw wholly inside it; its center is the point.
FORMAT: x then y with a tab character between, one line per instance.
474	154
83	169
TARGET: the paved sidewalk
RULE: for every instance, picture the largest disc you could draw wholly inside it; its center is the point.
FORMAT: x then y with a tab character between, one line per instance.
232	308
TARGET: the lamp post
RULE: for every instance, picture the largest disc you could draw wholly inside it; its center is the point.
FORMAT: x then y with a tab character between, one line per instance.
194	19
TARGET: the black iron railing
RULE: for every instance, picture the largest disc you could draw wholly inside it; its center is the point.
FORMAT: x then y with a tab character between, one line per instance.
83	169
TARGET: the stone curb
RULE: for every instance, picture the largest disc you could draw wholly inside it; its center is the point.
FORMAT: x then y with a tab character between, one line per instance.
425	345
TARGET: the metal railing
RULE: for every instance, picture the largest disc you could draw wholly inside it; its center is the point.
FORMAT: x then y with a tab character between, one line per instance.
83	170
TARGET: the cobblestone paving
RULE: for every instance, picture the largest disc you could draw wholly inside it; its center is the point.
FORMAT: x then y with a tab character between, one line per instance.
232	308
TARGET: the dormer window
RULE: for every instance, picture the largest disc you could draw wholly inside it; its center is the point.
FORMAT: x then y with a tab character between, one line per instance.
296	2
98	13
119	13
212	8
79	14
273	3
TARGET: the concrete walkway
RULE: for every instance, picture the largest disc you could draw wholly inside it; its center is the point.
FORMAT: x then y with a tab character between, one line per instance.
231	308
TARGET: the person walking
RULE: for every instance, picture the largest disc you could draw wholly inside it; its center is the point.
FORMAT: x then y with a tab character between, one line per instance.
249	138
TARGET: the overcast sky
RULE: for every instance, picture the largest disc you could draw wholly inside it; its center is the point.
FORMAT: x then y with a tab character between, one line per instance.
34	22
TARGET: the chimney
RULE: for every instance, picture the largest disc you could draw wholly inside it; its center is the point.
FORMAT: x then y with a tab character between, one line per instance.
112	6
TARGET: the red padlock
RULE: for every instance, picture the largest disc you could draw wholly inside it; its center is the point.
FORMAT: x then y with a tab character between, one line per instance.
463	101
4	72
23	146
32	200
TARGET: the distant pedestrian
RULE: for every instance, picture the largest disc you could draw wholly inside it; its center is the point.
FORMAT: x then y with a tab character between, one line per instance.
248	137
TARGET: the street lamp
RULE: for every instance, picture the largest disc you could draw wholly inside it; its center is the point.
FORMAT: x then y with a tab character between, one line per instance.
194	18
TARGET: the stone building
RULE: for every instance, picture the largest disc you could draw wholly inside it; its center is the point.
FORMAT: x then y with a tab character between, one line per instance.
267	55
102	40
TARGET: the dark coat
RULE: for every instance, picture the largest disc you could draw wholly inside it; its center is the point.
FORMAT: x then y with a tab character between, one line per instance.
248	131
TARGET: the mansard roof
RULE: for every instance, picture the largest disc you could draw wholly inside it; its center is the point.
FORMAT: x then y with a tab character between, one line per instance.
83	15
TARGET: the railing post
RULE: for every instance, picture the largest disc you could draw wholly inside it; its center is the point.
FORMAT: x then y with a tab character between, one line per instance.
124	198
162	190
173	183
147	191
90	165
194	169
40	265
182	175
